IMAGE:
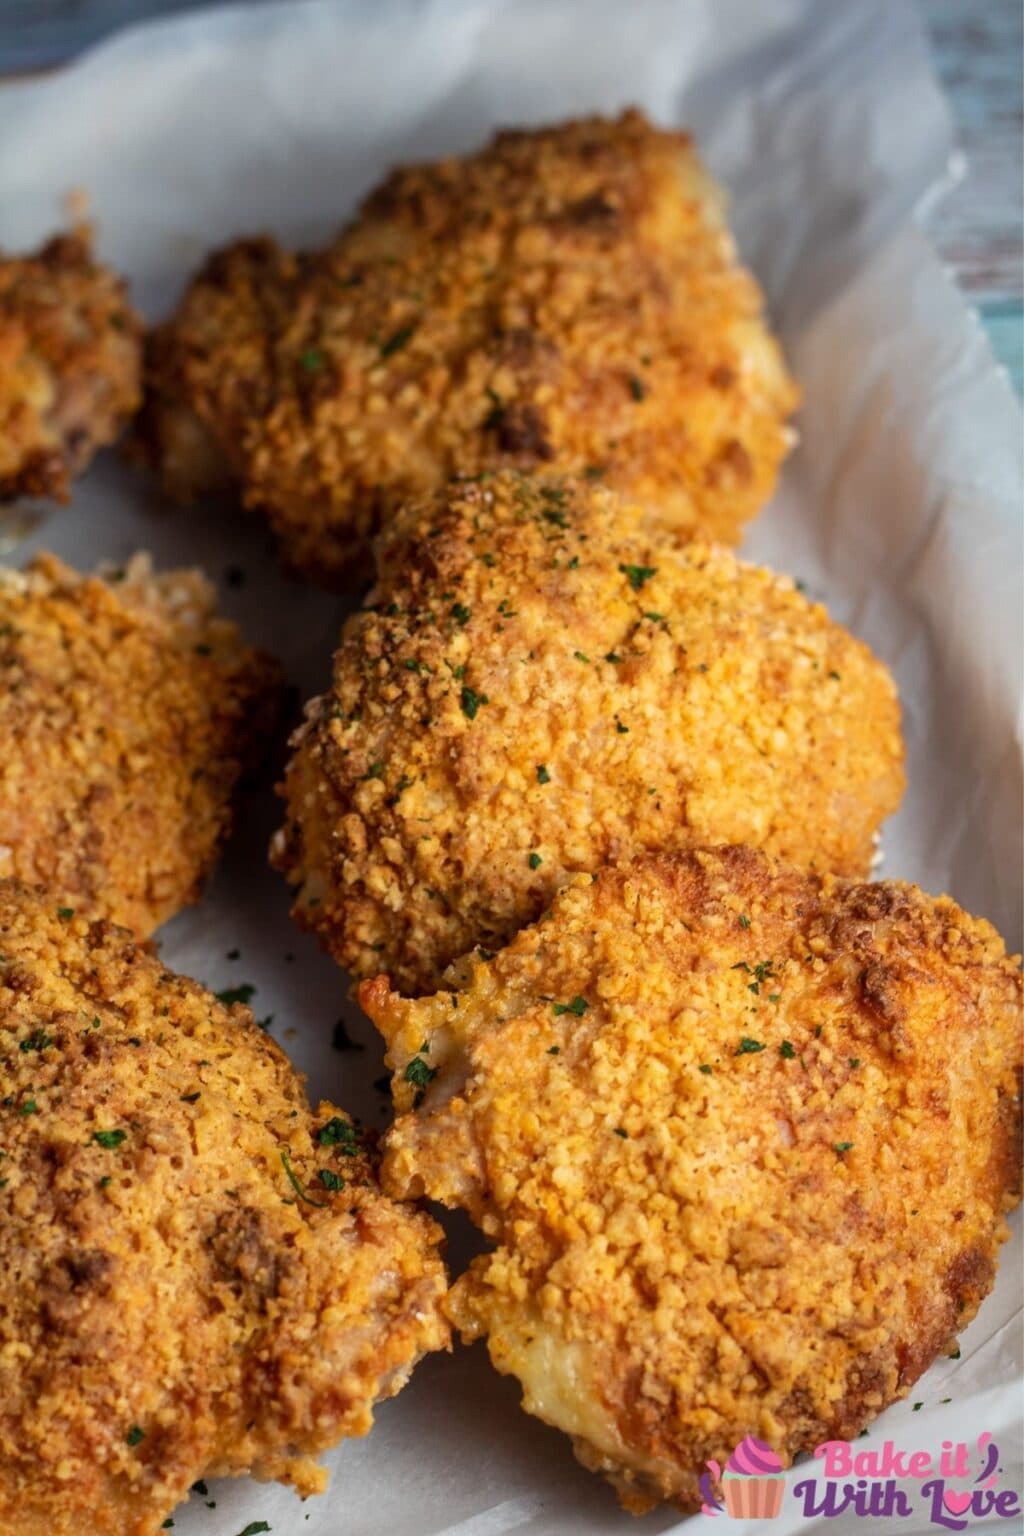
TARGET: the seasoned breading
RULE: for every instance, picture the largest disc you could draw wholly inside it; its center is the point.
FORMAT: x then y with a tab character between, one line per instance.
70	365
198	1275
568	297
537	687
743	1139
128	713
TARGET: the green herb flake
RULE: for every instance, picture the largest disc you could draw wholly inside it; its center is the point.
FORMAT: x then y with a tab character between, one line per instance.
109	1139
39	1041
331	1180
636	388
577	1007
460	613
135	1436
638	575
243	994
255	1528
543	777
786	1051
65	914
554	1050
312	360
839	1147
29	1107
190	1098
338	1133
293	1181
748	1047
744	920
418	1073
535	861
705	1068
620	1132
471	701
580	656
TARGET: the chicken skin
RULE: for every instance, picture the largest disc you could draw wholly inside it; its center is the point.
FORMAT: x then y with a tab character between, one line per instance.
567	298
199	1275
535	687
743	1139
70	365
128	712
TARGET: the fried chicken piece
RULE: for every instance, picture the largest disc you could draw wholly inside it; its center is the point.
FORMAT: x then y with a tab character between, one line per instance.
70	365
743	1139
538	687
128	713
198	1275
567	298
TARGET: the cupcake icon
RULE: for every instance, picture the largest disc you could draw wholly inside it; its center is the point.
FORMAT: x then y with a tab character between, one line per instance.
752	1482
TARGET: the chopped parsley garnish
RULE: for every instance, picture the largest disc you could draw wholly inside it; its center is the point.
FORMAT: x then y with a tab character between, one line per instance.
65	913
338	1133
293	1181
786	1051
243	994
748	1047
29	1107
612	656
190	1098
655	618
395	342
581	656
916	1406
471	701
341	1040
553	1050
636	388
543	777
578	1006
135	1436
744	920
330	1180
705	1068
36	1042
535	861
839	1147
460	613
255	1528
200	1487
312	360
109	1139
620	1132
621	730
638	574
854	1063
419	1073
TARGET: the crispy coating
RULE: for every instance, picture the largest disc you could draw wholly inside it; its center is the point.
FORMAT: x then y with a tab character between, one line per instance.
128	712
538	687
743	1139
70	365
568	297
198	1275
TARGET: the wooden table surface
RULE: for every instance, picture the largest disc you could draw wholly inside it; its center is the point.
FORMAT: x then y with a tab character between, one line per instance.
978	47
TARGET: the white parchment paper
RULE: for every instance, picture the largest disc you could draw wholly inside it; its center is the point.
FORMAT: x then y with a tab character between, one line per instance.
901	508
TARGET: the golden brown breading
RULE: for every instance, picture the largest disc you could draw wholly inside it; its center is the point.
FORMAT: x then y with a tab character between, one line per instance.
568	297
70	365
743	1139
198	1275
128	713
539	687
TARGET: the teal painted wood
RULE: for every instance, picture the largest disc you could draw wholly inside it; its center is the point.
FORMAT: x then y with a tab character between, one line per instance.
978	47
